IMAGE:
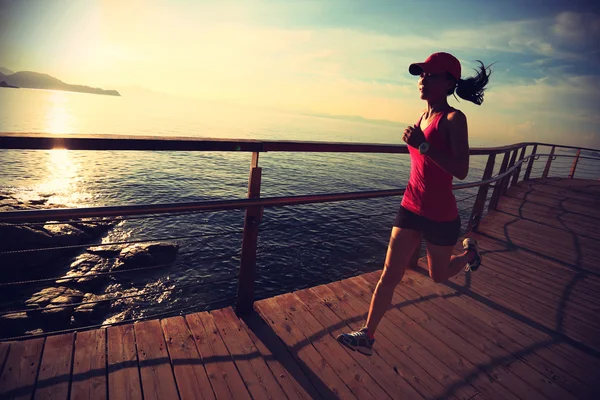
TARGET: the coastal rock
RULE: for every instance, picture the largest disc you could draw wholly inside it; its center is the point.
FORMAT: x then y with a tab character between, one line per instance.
14	317
48	299
14	324
105	251
146	254
24	237
53	296
87	266
88	313
66	235
95	228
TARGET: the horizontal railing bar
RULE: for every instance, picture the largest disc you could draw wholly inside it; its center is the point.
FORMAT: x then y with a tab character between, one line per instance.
218	205
564	146
44	141
32	141
570	156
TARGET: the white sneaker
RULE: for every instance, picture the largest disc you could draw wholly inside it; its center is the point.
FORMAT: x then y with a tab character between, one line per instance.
358	340
471	244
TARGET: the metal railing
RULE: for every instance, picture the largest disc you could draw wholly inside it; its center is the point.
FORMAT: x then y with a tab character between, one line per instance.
508	174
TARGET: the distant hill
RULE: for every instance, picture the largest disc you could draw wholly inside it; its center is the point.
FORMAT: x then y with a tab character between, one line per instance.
4	84
5	71
35	80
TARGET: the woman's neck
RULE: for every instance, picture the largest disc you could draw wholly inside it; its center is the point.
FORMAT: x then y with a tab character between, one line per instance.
436	107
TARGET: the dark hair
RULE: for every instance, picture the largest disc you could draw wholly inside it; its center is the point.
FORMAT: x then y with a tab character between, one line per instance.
471	89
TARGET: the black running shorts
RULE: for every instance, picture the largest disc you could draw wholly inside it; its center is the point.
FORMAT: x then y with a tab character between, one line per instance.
438	233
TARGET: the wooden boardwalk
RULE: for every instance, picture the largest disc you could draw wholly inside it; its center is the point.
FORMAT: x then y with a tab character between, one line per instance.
525	326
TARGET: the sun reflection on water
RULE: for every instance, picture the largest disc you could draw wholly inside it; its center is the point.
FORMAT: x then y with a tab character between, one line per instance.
58	118
62	170
61	183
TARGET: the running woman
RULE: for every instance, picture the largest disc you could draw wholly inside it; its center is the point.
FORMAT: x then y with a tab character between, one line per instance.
439	151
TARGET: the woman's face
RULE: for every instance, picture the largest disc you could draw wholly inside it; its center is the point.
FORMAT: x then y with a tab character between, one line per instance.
434	86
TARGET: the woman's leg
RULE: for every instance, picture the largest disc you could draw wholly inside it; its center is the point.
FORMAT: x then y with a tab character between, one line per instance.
400	250
413	263
443	265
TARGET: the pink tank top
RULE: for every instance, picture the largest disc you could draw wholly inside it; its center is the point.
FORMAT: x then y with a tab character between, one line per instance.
429	190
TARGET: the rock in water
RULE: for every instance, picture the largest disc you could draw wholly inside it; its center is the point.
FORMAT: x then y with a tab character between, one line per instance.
89	313
146	254
66	235
86	266
106	251
54	296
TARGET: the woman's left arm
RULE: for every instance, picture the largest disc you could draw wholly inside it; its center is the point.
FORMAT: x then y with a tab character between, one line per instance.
457	163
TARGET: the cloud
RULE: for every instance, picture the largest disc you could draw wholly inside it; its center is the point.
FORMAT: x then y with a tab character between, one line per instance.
577	28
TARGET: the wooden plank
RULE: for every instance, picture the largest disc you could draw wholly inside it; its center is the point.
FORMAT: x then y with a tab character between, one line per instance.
123	366
492	342
89	365
246	356
400	324
248	375
21	368
533	231
547	244
555	192
567	222
542	298
559	189
564	225
550	269
529	309
362	385
324	303
529	299
287	371
506	336
565	204
550	191
156	373
395	352
560	353
518	272
472	349
318	370
190	375
529	206
376	366
542	273
55	371
222	373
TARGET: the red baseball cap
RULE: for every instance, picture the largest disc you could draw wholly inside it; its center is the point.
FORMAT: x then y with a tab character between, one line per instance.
437	63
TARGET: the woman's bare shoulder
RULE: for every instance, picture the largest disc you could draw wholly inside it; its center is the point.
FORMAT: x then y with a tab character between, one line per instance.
456	115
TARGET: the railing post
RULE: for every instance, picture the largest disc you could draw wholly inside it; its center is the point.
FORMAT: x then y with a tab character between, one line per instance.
245	293
479	204
574	166
515	179
498	184
530	163
506	180
548	163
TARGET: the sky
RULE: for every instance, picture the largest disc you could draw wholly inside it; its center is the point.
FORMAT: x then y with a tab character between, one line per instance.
327	57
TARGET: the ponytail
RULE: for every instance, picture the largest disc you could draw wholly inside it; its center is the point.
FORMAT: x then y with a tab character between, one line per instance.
471	89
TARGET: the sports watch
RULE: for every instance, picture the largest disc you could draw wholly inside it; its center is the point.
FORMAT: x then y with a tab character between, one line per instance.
423	147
